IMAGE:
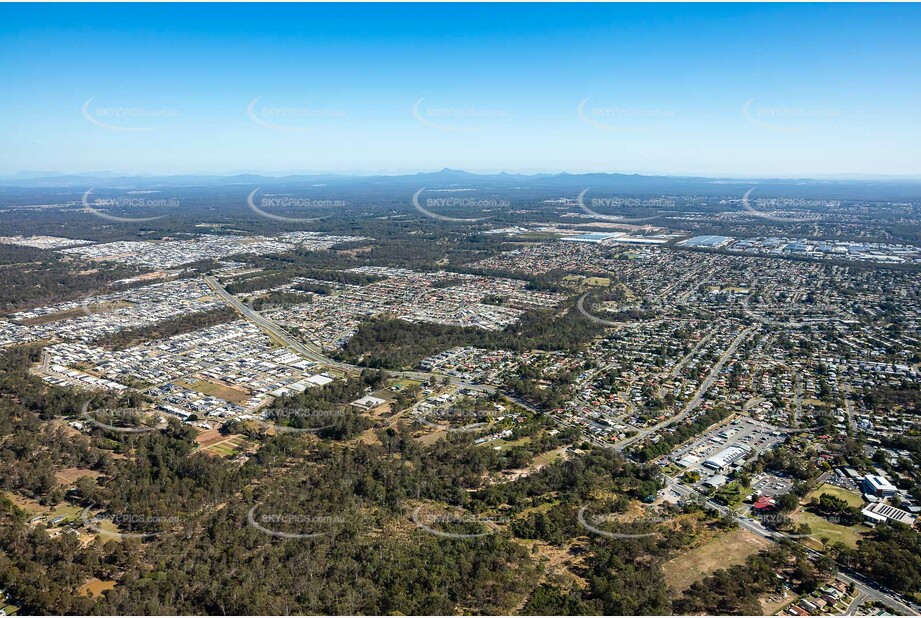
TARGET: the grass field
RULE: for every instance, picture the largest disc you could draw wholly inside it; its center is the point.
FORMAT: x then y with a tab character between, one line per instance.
849	535
550	456
848	496
505	445
404	383
34	509
821	527
69	476
724	551
227	393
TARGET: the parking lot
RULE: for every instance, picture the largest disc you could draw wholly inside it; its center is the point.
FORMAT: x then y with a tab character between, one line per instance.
754	437
767	484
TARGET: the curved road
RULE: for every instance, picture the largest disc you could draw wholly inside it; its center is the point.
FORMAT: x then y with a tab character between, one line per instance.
866	587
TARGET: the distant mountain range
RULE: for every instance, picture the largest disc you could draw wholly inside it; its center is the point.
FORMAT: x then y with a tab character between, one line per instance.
879	189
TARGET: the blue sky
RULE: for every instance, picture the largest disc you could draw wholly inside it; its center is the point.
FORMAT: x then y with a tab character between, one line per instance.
721	89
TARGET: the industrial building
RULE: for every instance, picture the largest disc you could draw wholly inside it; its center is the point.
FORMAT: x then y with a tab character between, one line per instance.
726	457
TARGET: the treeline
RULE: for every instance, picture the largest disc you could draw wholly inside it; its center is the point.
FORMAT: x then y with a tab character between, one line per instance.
325	409
906	395
784	460
830	506
267	280
891	556
31	277
736	590
274	300
680	433
187	323
397	344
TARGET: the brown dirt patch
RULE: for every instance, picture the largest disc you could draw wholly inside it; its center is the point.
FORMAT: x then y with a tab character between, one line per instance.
725	551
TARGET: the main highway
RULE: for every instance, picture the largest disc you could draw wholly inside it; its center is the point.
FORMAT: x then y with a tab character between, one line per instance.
313	352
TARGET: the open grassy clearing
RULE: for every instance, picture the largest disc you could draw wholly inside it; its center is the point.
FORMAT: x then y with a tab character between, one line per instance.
722	552
848	496
821	527
221	391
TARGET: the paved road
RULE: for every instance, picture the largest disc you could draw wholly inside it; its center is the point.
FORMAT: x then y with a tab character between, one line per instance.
698	396
308	350
866	587
315	353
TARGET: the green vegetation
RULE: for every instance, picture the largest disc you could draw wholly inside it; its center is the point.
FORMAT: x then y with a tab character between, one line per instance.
680	433
736	590
129	337
31	277
891	556
396	344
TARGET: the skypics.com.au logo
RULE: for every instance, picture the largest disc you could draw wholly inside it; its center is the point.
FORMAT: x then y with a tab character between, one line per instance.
286	525
621	119
766	208
445	525
624	202
289	203
290	119
466	202
124	203
456	119
120	420
300	420
125	119
109	524
785	119
453	420
599	524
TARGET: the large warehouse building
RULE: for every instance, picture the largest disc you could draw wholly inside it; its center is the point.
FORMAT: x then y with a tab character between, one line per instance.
726	457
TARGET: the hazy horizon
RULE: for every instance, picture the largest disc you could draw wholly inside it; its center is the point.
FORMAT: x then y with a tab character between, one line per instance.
771	91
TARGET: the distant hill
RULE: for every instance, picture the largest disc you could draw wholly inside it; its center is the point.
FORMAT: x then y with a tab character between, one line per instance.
563	184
